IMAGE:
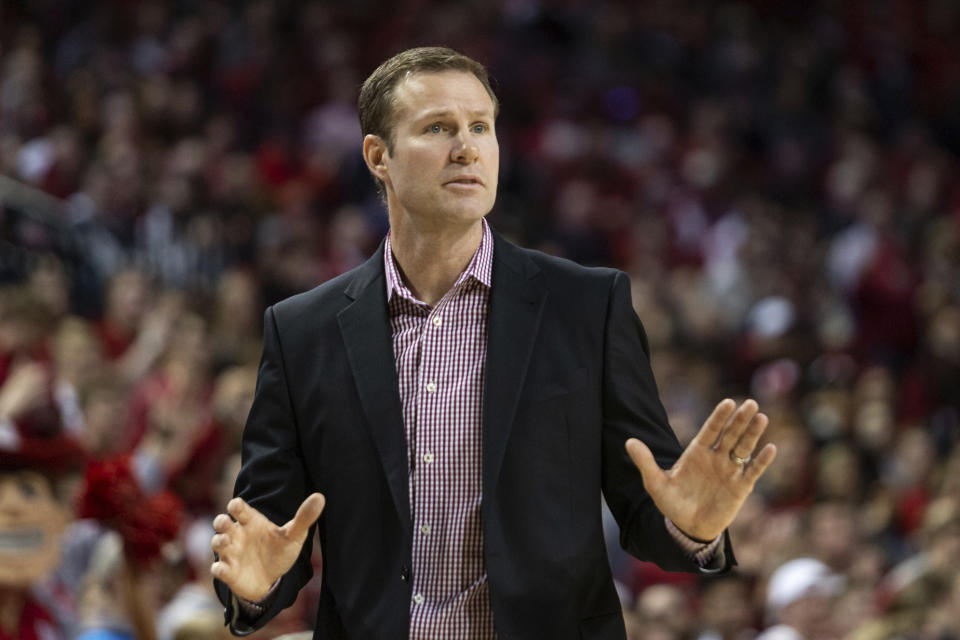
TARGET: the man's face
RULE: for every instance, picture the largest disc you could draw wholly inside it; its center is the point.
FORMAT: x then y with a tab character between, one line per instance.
445	159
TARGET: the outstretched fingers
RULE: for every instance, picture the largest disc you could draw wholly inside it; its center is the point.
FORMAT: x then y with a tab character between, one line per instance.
736	426
222	523
751	436
709	434
241	511
759	464
219	542
222	571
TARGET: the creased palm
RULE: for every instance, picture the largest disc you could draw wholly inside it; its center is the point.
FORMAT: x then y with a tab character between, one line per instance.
703	491
253	551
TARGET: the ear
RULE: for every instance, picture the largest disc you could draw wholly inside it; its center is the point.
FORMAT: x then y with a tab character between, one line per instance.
375	154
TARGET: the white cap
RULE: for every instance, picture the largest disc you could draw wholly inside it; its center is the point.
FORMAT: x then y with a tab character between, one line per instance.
780	632
771	317
798	579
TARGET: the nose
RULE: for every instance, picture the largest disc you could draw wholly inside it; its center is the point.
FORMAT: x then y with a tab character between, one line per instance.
465	150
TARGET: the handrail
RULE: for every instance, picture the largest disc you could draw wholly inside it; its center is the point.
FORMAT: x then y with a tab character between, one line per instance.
32	202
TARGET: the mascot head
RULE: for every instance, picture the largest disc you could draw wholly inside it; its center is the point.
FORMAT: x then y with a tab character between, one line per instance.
34	510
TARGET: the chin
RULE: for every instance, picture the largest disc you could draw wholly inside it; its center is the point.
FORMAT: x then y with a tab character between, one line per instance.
471	210
468	217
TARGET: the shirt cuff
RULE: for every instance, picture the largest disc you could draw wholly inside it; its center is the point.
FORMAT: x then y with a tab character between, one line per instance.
703	553
249	610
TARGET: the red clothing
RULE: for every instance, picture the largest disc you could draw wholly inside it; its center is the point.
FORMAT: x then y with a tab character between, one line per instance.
150	391
36	623
115	341
196	480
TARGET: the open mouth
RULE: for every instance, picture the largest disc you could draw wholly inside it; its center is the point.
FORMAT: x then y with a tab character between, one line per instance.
22	540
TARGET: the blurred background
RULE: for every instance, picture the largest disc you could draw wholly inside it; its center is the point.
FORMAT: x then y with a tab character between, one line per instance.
779	179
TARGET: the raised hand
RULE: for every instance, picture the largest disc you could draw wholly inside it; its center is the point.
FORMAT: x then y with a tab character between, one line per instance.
253	551
25	389
705	488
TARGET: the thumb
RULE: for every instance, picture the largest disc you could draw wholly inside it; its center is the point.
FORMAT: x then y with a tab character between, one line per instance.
653	475
306	515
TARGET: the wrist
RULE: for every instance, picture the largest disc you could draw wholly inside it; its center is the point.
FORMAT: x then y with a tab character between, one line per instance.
693	534
263	601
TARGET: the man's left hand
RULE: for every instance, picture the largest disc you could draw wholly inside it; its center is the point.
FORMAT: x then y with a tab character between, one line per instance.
703	491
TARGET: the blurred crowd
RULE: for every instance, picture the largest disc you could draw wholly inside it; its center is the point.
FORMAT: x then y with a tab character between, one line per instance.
780	180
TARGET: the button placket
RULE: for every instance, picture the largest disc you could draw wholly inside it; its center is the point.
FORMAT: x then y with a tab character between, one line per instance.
428	374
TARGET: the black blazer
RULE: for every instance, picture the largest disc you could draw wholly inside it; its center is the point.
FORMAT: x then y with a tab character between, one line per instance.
567	381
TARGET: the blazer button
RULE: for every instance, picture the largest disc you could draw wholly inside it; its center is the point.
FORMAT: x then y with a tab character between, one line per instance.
405	573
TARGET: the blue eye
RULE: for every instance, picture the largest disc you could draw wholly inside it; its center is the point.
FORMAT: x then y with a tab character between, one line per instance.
479	128
435	128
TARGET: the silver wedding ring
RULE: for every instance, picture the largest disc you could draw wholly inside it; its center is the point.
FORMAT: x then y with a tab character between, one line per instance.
740	461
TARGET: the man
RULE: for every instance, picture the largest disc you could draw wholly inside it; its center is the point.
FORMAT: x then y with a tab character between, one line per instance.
454	407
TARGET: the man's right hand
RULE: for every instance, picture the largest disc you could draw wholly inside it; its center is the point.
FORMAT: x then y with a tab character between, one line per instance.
253	551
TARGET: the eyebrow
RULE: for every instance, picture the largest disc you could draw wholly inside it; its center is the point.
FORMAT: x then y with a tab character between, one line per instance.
444	113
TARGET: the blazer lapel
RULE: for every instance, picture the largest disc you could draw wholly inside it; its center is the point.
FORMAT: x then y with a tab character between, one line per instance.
365	328
516	305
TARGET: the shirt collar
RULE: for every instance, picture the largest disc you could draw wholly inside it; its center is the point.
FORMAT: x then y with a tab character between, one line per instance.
479	269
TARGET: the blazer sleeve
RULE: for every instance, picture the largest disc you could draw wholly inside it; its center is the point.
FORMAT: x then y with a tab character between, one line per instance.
632	409
272	476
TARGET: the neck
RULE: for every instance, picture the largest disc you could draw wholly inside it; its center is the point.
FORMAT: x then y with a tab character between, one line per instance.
432	260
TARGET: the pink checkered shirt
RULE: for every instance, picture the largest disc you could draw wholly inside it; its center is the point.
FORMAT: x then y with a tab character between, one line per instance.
440	354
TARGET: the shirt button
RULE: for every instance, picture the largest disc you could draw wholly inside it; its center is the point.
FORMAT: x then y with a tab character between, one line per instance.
431	387
428	458
437	321
425	529
418	599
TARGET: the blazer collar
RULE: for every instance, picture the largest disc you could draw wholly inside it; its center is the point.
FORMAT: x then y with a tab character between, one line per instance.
368	272
365	329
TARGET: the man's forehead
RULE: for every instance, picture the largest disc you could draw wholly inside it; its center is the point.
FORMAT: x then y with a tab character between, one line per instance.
422	94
